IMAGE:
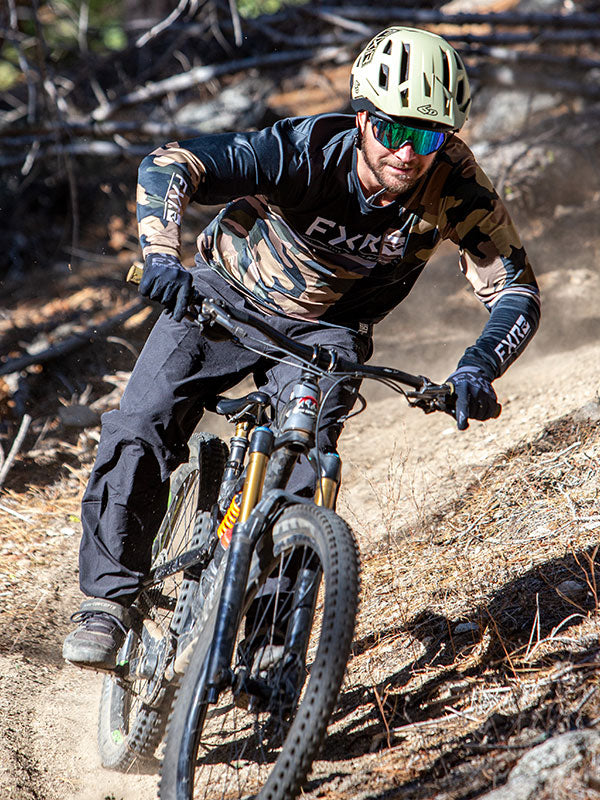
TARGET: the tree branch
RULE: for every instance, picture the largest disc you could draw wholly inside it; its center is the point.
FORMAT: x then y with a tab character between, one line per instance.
203	74
16	446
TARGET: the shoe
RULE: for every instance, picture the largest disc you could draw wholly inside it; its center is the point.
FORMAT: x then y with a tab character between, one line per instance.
94	644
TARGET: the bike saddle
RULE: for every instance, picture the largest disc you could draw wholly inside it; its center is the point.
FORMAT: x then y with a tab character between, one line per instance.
232	406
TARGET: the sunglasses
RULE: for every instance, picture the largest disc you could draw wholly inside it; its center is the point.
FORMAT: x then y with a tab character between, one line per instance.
394	134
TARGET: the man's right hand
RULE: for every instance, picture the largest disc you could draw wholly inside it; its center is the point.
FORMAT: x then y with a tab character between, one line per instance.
167	282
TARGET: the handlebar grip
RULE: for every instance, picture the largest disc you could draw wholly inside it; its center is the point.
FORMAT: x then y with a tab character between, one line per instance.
134	275
495	413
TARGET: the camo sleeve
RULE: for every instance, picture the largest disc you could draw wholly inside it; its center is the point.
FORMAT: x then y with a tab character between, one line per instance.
494	262
214	169
167	178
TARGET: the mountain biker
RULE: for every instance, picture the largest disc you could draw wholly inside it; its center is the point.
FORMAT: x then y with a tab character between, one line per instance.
329	220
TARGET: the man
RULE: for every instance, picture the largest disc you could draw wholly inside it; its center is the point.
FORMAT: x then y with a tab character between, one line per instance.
329	221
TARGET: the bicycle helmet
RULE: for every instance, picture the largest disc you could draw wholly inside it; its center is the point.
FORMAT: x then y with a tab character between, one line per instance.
411	74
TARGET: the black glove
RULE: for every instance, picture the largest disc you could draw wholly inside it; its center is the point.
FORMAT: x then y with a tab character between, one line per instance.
167	282
475	396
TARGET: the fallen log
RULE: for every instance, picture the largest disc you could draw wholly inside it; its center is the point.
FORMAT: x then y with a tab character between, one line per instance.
71	343
203	74
435	17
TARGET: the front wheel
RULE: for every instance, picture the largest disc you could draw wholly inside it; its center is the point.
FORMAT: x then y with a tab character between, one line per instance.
262	734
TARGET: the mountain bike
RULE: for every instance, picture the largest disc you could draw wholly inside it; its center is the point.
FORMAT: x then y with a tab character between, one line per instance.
244	627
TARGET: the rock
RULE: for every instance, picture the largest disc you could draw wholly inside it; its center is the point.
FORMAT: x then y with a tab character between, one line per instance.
508	110
547	764
78	416
572	590
590	412
237	107
466	627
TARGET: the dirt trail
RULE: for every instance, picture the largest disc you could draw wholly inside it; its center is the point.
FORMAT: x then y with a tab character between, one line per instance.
398	463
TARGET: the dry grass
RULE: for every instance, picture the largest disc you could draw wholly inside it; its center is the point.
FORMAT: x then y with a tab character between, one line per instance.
478	635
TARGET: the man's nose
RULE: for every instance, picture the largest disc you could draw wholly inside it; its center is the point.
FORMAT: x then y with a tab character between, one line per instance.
405	152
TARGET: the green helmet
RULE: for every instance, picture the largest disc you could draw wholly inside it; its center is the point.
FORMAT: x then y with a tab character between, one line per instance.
406	73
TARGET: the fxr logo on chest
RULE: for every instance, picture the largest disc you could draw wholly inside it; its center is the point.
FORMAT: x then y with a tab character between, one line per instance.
393	241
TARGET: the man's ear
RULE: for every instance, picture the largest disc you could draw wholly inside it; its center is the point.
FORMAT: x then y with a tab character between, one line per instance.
361	121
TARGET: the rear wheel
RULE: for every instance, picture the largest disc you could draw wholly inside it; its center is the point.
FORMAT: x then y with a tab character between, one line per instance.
261	736
134	708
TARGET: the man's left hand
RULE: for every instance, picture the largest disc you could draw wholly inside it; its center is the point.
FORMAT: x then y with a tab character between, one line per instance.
475	396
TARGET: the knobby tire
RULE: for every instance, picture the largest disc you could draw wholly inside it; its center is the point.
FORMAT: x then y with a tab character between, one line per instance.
231	749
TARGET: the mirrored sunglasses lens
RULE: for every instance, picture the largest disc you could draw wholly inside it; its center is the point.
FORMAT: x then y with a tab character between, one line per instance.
392	135
426	142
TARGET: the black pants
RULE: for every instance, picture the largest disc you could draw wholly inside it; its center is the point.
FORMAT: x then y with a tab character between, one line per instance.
179	369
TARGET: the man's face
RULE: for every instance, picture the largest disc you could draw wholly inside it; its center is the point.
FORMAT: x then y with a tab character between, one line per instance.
379	167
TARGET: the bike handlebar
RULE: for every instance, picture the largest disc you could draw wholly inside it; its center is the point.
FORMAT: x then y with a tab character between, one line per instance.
425	394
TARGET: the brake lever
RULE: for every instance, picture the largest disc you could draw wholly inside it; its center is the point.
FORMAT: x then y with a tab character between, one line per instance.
432	397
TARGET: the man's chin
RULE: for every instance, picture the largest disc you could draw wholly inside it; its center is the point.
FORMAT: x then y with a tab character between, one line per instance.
397	183
400	185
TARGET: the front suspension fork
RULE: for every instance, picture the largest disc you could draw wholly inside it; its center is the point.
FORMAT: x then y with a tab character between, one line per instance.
237	568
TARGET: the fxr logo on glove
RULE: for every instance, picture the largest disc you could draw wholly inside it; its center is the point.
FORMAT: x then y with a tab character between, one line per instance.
516	336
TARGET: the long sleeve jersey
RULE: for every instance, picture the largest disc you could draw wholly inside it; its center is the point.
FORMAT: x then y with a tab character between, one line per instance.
299	237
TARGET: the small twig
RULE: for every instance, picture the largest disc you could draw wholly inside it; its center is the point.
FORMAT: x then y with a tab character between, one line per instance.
127	345
31	156
25	423
82	26
462	714
552	637
535	628
587	696
163	24
237	25
556	456
382	712
14	513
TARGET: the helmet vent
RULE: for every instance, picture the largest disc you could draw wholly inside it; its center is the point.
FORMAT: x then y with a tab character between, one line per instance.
404	58
384	76
446	72
426	86
388	48
460	92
